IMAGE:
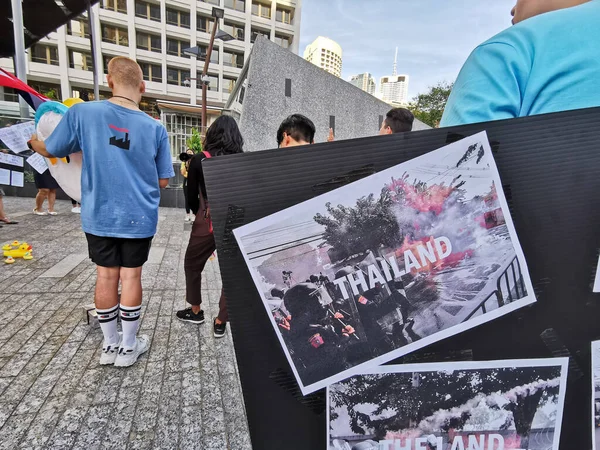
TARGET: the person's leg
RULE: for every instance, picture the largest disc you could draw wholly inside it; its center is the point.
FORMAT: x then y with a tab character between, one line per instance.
39	199
51	200
199	250
133	254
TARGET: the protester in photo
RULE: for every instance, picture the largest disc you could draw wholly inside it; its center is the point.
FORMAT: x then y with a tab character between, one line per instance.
548	61
296	130
47	186
126	161
75	207
184	173
222	138
397	120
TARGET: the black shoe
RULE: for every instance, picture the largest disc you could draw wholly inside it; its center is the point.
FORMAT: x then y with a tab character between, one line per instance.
219	328
187	315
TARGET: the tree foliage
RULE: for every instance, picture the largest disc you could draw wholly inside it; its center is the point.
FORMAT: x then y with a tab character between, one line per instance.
404	400
429	107
367	226
194	142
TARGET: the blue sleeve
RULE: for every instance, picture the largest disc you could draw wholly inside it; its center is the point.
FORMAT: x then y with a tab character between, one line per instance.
488	87
164	164
64	139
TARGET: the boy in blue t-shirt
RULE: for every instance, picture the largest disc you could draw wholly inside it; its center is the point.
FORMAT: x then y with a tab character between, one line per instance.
126	161
548	61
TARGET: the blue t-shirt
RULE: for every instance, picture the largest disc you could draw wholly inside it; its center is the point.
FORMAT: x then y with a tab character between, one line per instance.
125	152
545	64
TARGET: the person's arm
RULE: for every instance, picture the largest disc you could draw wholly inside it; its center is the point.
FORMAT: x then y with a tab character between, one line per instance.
488	86
195	182
183	170
62	142
164	164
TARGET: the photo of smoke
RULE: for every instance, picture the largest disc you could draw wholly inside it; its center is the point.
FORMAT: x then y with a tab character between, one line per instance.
596	394
496	405
388	264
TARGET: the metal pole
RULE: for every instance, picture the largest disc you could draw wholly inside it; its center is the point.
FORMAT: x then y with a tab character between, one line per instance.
19	58
92	27
205	71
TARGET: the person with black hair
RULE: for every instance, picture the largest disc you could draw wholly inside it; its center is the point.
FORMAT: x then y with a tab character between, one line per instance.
296	130
223	137
397	120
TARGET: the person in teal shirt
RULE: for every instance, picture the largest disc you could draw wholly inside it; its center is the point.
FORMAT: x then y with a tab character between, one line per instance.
548	61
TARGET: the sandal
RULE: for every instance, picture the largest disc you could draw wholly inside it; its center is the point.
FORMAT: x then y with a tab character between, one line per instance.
7	221
39	213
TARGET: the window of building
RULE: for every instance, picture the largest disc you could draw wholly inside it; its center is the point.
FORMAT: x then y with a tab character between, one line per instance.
214	81
105	60
204	23
283	41
175	47
115	35
149	107
79	27
233	59
214	56
178	18
146	41
115	5
235	30
45	54
8	94
212	2
261	9
52	91
80	60
284	15
238	5
228	85
147	10
255	32
177	76
152	72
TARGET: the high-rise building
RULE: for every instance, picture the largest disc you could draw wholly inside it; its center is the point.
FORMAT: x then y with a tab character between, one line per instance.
394	88
326	54
364	81
155	33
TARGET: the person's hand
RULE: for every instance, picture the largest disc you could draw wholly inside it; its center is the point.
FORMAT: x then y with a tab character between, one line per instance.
285	324
348	330
338	315
330	137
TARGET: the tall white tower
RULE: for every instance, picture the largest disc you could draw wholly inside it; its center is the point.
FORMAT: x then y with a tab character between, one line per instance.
394	88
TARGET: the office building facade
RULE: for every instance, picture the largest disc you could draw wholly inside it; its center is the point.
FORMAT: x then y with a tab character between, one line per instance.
364	81
326	54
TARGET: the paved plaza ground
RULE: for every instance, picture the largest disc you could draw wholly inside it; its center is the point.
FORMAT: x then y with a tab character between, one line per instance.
184	393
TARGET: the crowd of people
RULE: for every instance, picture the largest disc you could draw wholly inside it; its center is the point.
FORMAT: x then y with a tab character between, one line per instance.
547	62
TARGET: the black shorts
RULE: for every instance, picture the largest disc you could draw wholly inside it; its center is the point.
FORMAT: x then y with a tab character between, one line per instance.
118	252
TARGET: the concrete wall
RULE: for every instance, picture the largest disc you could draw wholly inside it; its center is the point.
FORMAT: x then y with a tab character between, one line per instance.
314	93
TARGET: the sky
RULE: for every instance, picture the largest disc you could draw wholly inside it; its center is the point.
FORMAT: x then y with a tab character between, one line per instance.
434	37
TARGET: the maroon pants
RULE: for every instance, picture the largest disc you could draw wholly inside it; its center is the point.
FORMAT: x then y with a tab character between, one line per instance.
199	250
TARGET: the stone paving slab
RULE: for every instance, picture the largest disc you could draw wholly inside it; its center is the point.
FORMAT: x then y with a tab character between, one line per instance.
183	394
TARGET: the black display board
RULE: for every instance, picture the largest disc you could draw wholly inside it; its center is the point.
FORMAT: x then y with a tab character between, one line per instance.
550	170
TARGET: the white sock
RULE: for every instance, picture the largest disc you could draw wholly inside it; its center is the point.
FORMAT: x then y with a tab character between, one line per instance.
130	322
108	324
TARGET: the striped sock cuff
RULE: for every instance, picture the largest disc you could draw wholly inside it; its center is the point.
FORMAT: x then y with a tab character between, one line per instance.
130	313
107	315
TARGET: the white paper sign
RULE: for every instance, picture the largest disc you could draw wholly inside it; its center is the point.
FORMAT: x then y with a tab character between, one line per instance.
16	179
16	136
13	160
38	162
5	177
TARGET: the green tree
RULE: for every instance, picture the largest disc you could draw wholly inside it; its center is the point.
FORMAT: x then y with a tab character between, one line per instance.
195	141
429	107
367	226
51	94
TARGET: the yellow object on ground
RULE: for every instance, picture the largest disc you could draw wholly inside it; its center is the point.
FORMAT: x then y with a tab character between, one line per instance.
9	260
19	252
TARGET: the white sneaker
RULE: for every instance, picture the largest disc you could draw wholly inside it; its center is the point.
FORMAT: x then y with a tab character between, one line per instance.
109	352
39	213
128	357
187	218
76	210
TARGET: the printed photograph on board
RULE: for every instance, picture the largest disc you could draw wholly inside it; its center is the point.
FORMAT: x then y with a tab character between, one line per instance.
388	264
496	405
596	394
